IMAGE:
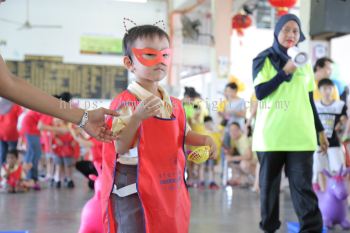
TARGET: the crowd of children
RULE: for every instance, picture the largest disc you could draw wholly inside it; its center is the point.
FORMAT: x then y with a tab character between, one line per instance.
55	145
39	150
237	164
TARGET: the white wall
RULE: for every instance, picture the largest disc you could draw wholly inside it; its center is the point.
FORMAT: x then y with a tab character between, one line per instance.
244	50
340	53
78	17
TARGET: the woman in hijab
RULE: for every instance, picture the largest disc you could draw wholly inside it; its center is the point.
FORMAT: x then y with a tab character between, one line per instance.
285	131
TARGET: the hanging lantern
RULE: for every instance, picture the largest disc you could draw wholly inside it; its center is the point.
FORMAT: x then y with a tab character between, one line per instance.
241	22
282	6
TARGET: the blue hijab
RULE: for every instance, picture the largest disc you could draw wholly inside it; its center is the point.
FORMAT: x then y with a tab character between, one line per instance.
277	53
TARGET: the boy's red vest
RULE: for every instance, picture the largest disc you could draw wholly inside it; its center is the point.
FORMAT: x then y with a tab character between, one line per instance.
14	177
67	149
161	185
8	124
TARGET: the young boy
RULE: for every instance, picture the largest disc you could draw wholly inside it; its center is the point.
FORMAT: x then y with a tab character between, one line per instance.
144	188
65	154
332	114
241	154
209	165
12	173
234	111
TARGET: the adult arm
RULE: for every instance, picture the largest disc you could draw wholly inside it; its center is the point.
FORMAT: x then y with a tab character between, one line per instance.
29	96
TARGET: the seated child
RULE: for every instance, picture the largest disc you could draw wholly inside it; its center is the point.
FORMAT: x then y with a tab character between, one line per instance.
12	173
209	165
241	155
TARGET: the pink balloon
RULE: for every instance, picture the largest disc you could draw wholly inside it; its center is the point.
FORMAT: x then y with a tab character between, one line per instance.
91	216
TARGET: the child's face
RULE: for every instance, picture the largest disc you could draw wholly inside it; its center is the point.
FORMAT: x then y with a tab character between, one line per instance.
326	71
209	125
11	159
231	93
235	132
326	92
153	73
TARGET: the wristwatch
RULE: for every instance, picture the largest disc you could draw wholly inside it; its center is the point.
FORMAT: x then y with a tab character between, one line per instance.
84	119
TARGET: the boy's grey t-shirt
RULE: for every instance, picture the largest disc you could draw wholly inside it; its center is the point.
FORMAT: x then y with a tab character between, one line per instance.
237	105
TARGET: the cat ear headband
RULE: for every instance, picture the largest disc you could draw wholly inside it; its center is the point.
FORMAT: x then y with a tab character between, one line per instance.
125	20
149	56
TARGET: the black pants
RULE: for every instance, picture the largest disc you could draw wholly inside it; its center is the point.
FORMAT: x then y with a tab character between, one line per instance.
87	168
298	167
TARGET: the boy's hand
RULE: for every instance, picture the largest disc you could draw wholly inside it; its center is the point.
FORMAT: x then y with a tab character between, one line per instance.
149	107
227	152
229	158
338	127
323	142
96	126
213	154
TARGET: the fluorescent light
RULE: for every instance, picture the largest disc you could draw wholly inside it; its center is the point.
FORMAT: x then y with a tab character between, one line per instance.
138	1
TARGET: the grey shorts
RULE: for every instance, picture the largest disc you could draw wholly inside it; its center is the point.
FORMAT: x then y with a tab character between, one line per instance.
66	161
50	155
128	211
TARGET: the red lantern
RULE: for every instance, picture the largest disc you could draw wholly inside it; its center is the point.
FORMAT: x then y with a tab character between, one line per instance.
240	22
283	6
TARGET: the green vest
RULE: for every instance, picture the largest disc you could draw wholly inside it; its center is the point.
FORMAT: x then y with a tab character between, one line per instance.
284	120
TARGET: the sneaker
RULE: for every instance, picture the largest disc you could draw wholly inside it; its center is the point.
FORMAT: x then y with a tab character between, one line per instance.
213	186
201	185
52	182
316	187
36	187
244	186
255	189
190	184
58	184
234	183
70	184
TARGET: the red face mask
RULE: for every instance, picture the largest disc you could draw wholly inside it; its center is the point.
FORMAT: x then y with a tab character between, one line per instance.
151	57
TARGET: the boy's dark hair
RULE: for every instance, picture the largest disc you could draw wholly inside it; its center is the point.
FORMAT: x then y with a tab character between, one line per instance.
322	62
325	82
207	119
236	124
232	86
140	32
13	152
191	92
66	96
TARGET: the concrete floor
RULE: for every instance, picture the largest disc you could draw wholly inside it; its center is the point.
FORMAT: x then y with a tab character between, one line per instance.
58	211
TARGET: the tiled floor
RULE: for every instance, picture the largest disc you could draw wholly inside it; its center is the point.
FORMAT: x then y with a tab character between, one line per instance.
58	211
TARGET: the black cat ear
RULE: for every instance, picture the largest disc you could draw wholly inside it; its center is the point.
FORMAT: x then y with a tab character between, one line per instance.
161	22
125	20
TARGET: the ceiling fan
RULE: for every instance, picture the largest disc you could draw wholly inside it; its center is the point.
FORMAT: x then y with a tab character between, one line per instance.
191	29
27	24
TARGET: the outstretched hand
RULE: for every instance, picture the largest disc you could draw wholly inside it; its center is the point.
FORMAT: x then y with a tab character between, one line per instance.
96	125
213	150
